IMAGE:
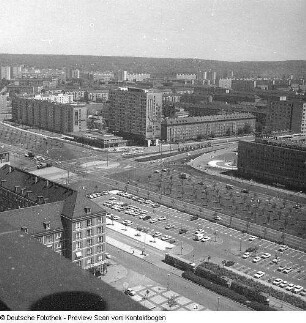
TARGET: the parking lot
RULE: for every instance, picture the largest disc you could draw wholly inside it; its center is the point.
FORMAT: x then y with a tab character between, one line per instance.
162	221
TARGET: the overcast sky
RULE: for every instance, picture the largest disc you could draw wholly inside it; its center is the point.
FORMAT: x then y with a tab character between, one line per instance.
229	30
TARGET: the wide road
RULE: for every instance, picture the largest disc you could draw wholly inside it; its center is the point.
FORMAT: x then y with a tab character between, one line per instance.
177	284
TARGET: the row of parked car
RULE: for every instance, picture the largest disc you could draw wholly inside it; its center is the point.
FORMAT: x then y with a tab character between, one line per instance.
297	289
138	199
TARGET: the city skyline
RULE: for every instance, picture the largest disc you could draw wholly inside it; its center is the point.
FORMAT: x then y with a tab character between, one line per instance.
252	30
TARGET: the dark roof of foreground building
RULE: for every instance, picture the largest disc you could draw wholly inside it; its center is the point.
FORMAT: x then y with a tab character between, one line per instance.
42	191
33	217
34	277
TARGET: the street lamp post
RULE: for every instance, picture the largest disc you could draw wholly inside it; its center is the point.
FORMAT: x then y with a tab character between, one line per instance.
168	281
218	304
181	247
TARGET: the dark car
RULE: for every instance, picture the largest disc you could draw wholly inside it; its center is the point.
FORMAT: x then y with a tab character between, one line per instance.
194	217
147	217
183	230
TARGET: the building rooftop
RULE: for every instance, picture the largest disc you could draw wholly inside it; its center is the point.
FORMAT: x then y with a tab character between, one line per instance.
219	117
42	191
34	277
298	143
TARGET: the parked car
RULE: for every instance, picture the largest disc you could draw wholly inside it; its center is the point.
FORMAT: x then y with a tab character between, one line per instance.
172	241
283	284
156	234
146	217
266	255
290	287
280	268
297	289
162	218
130	292
256	259
153	220
194	217
127	222
204	239
169	226
287	270
251	238
277	281
246	255
259	274
282	248
182	231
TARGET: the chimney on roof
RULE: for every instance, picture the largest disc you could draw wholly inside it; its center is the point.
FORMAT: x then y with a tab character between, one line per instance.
16	188
28	194
47	225
10	168
40	199
35	179
46	200
24	229
87	210
3	181
47	183
22	190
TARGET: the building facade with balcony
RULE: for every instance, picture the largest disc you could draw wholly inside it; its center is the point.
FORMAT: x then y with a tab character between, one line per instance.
62	118
181	129
136	114
59	217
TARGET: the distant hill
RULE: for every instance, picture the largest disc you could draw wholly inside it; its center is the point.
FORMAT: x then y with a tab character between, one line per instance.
159	66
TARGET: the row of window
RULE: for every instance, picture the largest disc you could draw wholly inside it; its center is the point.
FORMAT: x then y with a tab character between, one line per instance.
89	233
90	261
88	223
88	243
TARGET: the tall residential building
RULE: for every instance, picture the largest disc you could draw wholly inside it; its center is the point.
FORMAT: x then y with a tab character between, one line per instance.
59	217
136	113
286	115
6	72
63	118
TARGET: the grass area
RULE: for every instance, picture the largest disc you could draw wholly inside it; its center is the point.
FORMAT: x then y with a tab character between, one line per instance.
204	191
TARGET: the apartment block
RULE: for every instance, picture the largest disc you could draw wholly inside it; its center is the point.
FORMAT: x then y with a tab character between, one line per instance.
180	129
59	217
136	114
274	160
63	118
286	115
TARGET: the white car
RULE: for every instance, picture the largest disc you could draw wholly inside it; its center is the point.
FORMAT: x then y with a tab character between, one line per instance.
204	239
282	248
283	284
251	238
127	222
166	237
156	234
266	255
246	255
153	220
200	231
290	287
256	259
277	281
130	292
297	289
115	217
276	260
162	218
259	274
